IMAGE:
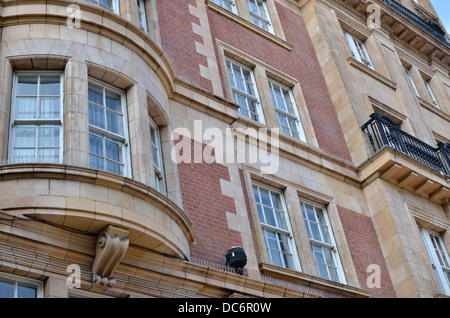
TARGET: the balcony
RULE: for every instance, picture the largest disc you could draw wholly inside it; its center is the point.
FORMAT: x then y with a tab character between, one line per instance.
427	25
406	161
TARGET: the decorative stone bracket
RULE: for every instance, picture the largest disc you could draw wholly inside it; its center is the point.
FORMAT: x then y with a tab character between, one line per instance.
112	244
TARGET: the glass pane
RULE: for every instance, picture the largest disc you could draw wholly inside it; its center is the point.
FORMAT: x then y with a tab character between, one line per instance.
265	198
333	274
270	218
26	292
113	101
323	271
24	155
26	107
48	155
113	167
25	136
96	144
96	162
261	214
48	136
27	85
315	231
318	254
6	289
49	85
112	150
96	116
95	94
114	122
328	256
49	107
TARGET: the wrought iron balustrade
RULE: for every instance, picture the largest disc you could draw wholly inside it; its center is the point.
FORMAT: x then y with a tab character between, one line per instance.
427	25
383	132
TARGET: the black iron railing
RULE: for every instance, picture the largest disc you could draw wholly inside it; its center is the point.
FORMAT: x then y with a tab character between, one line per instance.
427	25
384	132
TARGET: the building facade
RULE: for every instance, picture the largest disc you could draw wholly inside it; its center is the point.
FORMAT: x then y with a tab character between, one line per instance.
145	144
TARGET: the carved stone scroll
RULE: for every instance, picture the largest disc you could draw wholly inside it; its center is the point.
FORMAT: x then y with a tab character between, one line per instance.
112	244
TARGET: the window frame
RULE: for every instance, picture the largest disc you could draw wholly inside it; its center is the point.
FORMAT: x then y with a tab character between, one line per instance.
114	8
431	93
411	81
39	285
232	4
267	20
288	232
259	110
332	245
438	271
36	122
159	172
122	140
296	116
353	42
142	15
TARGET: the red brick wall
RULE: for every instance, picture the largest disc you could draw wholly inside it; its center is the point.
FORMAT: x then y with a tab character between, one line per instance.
206	207
300	63
365	250
178	41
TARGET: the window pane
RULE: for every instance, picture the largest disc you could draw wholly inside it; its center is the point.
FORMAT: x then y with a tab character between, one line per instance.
48	136
49	107
113	101
96	162
96	116
48	155
6	289
114	122
26	291
27	85
25	136
49	85
24	155
112	150
113	167
96	144
26	107
95	94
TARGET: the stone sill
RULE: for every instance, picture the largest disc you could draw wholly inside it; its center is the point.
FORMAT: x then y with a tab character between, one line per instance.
434	109
312	281
249	25
374	74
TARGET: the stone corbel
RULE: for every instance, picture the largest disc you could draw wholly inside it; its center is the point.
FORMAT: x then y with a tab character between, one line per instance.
111	246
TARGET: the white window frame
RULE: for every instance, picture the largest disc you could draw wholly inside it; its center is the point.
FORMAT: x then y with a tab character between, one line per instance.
19	280
430	91
160	177
322	243
258	112
36	122
359	50
232	4
294	115
142	14
439	269
115	5
292	249
122	140
411	81
262	20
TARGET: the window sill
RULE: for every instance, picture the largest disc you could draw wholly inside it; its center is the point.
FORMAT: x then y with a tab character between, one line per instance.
434	109
312	284
249	25
374	74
